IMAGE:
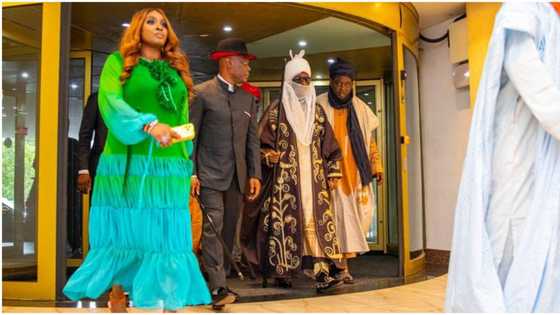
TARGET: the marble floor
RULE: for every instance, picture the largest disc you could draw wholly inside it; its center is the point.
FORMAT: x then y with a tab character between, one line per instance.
425	296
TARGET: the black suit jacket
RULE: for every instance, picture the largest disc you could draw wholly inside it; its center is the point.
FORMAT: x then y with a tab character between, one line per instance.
226	142
92	123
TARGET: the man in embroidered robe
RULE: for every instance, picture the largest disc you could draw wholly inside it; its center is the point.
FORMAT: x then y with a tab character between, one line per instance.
354	125
505	255
293	217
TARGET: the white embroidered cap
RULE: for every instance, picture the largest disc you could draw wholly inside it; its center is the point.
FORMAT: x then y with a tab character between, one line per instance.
296	66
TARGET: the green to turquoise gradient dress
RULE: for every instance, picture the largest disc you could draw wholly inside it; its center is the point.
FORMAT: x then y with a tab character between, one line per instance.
140	228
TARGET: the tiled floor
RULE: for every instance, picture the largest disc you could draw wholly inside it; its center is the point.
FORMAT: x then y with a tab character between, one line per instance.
425	296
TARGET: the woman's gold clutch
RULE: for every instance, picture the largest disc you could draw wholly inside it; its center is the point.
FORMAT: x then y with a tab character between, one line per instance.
186	132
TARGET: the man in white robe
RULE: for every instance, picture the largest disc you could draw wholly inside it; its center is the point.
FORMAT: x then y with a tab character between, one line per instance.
354	125
505	255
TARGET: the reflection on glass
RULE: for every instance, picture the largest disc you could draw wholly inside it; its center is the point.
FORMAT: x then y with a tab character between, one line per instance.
320	89
367	94
391	168
20	77
74	197
414	152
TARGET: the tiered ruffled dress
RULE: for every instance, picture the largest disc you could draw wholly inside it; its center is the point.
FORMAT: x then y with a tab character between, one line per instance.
139	228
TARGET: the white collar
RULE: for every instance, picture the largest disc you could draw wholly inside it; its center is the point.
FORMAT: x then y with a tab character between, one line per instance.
231	87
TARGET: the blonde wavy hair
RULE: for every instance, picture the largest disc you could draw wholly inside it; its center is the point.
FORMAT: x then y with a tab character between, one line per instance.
131	45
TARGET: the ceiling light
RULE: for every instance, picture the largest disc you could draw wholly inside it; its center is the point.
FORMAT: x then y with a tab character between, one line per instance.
331	60
25	75
203	35
227	28
318	76
366	94
74	86
125	24
302	43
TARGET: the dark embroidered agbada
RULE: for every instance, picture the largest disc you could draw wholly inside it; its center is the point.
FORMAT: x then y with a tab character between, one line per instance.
272	234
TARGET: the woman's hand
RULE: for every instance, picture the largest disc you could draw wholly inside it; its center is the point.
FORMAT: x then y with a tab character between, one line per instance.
164	134
195	186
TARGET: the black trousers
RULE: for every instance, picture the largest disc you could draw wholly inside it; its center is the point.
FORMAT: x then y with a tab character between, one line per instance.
224	208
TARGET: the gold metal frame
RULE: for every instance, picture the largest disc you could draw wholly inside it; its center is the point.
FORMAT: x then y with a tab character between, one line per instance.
17	4
416	265
480	23
44	288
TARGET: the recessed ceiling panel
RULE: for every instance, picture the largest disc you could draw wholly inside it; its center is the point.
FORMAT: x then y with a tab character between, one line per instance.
326	35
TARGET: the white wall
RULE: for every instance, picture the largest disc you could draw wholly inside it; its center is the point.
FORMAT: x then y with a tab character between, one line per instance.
446	120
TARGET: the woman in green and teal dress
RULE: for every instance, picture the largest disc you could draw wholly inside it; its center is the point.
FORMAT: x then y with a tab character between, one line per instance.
139	229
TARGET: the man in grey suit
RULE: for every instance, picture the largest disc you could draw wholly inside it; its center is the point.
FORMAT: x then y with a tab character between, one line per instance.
226	156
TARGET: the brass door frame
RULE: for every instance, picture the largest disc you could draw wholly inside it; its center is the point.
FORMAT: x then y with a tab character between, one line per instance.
45	286
417	264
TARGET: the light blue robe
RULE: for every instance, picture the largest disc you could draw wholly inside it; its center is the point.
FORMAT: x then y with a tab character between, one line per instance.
505	255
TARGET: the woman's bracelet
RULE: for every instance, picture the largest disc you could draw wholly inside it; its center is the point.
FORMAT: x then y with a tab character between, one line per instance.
148	127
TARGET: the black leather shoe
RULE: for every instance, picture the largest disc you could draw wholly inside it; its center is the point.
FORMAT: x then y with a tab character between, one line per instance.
234	293
223	297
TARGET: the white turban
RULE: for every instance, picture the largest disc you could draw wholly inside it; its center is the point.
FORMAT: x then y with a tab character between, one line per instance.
296	66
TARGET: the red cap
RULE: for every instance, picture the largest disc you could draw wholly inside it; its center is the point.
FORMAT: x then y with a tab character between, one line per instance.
231	47
217	55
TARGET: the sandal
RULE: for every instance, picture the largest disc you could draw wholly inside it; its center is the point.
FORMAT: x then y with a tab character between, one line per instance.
346	277
325	283
117	300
